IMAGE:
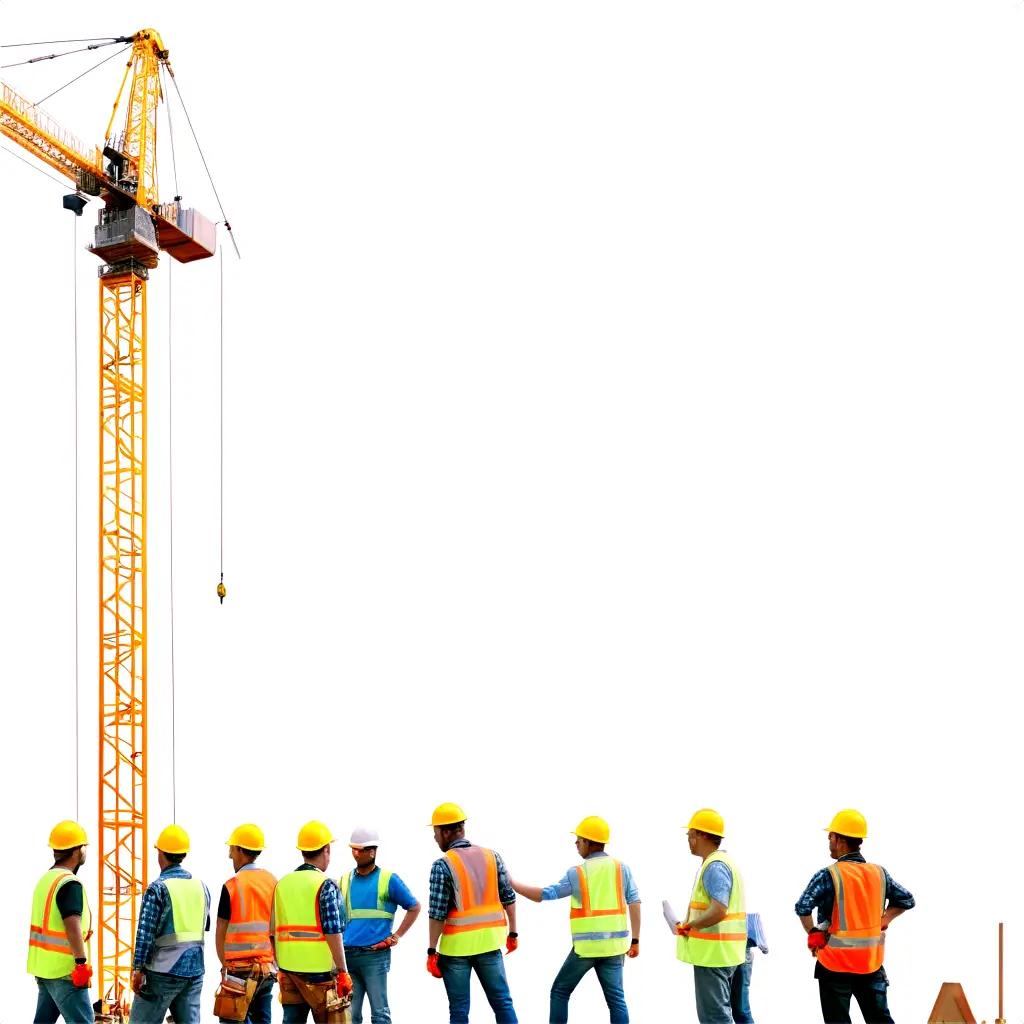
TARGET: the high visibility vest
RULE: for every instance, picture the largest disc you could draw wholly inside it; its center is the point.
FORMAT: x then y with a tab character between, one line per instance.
856	943
49	952
298	933
723	944
381	911
252	899
190	908
597	915
477	924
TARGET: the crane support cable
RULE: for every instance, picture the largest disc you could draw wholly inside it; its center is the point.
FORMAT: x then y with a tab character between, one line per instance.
170	525
54	56
62	42
170	133
82	75
222	418
202	157
35	167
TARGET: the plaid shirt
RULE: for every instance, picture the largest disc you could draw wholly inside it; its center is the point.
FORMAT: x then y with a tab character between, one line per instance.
330	920
155	919
821	893
442	885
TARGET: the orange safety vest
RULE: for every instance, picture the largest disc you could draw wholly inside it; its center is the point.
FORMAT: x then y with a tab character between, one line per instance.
477	923
856	943
252	899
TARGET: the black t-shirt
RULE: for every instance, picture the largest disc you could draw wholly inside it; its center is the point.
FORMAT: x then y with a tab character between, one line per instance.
224	907
70	900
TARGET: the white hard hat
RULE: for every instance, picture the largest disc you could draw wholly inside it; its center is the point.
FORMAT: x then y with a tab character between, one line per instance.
364	837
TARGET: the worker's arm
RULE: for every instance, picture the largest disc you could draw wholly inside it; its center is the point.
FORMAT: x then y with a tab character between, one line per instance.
221	939
73	927
408	920
531	892
510	913
808	922
890	915
337	948
436	928
715	913
634	919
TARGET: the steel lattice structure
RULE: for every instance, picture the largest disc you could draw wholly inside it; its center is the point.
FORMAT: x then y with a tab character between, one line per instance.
132	230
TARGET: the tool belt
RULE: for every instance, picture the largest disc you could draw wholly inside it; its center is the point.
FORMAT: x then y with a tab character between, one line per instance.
234	994
320	996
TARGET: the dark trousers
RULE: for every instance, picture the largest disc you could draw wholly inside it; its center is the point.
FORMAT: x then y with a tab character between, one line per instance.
835	988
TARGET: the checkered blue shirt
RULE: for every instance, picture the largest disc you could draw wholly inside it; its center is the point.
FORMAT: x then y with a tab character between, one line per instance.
155	919
442	885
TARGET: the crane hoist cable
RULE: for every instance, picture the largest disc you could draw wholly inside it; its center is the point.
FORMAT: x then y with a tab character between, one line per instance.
222	591
74	292
170	522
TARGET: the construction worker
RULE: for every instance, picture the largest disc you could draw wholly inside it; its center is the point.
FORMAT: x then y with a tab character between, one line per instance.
856	902
306	931
168	965
714	936
59	931
370	897
243	931
603	894
470	901
740	997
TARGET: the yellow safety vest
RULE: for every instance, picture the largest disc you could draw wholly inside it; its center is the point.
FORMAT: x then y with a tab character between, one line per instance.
723	944
49	952
477	923
189	911
381	911
298	934
597	915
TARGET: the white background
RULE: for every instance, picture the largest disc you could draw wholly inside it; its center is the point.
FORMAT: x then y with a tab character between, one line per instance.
622	415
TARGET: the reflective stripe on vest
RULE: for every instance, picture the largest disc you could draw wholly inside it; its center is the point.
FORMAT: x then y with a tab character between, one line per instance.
189	911
856	943
597	915
477	924
723	944
49	952
381	911
252	901
298	933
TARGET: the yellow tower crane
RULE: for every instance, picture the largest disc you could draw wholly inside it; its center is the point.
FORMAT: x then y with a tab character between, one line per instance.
133	228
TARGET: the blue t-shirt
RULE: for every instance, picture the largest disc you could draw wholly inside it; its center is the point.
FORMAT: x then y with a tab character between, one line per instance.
362	894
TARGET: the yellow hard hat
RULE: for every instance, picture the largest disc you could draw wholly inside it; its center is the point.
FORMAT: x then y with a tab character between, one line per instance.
313	836
593	828
447	814
173	839
66	835
849	822
707	820
249	837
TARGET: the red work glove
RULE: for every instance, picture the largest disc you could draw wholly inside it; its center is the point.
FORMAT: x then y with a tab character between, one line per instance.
344	986
81	976
433	967
512	942
391	940
634	949
683	929
816	939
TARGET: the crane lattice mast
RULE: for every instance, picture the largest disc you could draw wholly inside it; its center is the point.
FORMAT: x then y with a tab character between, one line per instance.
132	230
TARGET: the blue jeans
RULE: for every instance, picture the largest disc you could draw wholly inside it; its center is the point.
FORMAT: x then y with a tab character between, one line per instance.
609	974
713	989
835	989
262	1000
59	998
369	970
741	991
163	992
490	969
